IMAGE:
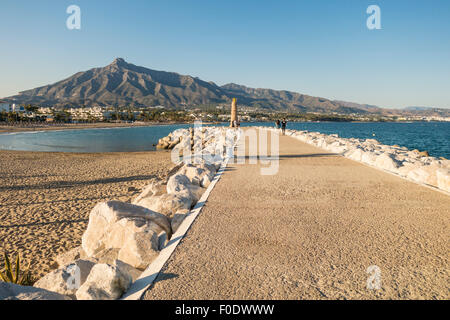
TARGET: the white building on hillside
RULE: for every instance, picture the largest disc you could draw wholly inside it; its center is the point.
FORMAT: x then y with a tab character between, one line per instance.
45	111
82	114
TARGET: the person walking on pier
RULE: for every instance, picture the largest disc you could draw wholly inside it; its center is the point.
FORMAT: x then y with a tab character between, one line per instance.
283	126
277	124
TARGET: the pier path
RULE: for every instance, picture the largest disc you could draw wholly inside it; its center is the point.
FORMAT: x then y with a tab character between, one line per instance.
311	231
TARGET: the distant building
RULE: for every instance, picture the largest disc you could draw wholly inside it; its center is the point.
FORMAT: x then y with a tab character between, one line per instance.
7	107
17	108
94	113
45	111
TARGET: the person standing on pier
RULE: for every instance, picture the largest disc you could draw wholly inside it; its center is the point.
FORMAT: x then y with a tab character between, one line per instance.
283	126
277	124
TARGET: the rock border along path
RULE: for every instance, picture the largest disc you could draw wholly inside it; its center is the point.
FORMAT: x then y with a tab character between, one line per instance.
146	279
312	232
300	135
413	165
124	240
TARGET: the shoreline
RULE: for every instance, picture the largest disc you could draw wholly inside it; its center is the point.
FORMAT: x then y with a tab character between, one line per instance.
107	125
81	126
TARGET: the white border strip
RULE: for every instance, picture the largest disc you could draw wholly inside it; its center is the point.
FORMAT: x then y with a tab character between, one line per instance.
146	279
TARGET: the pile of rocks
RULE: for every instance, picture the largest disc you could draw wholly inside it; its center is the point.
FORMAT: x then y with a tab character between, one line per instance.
413	165
122	239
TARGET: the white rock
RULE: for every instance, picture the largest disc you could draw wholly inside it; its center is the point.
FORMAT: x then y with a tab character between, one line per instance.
67	257
132	229
110	256
419	174
68	279
197	173
180	185
369	157
178	219
355	154
10	291
127	269
385	161
443	179
406	168
167	204
105	282
156	188
206	181
138	246
371	141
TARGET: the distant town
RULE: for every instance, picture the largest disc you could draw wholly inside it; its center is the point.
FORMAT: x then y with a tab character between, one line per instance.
14	113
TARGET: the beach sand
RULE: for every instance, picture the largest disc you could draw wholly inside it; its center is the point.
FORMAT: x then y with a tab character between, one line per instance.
45	198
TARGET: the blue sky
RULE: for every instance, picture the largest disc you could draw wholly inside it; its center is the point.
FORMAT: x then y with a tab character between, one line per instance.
321	48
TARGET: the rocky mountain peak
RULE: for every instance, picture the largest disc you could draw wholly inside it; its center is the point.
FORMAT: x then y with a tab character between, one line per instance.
119	62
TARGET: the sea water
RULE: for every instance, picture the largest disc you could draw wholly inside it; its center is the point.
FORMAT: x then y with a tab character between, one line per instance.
431	136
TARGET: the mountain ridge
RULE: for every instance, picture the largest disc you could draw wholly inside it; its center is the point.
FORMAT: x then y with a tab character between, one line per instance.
121	83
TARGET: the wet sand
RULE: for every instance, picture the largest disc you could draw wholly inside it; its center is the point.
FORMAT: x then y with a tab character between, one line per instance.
311	232
45	198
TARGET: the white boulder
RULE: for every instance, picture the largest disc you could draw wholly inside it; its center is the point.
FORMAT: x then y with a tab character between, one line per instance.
178	219
110	256
181	185
68	279
443	179
167	204
156	188
11	291
369	157
67	257
355	154
419	174
139	245
198	174
105	282
116	224
387	162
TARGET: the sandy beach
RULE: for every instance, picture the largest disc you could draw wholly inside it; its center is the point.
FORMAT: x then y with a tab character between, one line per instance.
45	198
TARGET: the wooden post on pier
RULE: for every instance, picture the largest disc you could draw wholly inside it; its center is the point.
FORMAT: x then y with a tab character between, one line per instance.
233	121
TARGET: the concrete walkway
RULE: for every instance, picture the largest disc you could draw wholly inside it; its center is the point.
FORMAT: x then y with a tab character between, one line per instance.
310	232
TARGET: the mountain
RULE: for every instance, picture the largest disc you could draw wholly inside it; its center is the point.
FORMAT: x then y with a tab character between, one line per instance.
122	84
291	101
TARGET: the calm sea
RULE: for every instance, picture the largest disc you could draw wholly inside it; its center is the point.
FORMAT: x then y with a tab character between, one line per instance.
431	136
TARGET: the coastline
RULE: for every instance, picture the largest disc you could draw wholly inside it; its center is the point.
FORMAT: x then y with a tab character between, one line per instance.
80	126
